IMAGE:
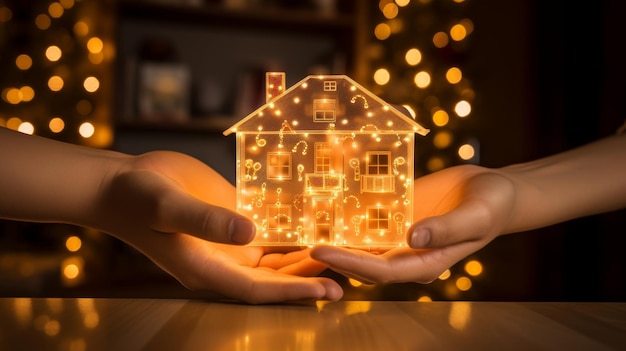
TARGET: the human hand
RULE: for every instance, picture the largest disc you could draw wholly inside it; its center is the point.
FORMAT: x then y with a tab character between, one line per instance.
177	211
459	210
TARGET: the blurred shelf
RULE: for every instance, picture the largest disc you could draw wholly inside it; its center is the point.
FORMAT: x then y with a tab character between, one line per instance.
196	124
265	17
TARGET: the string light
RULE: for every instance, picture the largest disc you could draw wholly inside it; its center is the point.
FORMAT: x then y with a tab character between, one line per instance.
431	79
66	52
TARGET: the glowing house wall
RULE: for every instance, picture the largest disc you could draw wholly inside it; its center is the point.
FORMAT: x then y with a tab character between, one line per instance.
326	162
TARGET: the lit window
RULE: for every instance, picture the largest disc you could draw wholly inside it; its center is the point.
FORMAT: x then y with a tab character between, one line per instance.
278	165
323	156
324	110
330	85
378	162
378	218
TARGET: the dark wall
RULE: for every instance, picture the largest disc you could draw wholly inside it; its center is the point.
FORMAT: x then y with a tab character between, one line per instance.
550	77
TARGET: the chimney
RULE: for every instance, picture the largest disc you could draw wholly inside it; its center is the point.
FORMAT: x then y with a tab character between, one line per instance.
274	85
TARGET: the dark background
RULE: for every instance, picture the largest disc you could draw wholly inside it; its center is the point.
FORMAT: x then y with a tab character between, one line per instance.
549	76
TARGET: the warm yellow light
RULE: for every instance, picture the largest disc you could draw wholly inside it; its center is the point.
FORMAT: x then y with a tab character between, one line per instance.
23	62
466	152
422	79
463	108
5	14
71	271
91	84
53	53
73	243
86	130
12	95
95	45
55	10
390	10
26	128
356	307
56	125
382	76
91	320
43	22
468	24
460	315
410	110
28	93
14	123
67	4
440	118
413	57
454	75
96	58
402	3
55	83
473	267
442	139
463	283
445	275
51	327
424	298
458	32
354	282
440	39
382	31
435	164
81	28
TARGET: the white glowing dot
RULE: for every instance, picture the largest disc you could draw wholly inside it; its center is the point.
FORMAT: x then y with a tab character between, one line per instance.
466	152
53	53
86	130
382	76
463	108
26	128
91	84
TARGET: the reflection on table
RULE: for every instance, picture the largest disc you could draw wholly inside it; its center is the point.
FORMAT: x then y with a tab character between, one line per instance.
154	324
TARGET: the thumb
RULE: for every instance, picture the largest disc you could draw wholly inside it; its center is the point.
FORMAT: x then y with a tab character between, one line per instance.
187	214
467	222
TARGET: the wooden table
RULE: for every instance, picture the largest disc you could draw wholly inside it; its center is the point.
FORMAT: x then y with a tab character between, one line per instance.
153	324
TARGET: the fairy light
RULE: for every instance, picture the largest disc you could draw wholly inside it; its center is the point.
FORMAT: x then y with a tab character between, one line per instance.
431	78
59	74
291	180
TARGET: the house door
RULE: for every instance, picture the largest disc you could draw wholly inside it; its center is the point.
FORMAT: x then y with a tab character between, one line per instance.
324	215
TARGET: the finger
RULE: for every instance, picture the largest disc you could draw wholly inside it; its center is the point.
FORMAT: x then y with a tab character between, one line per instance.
202	266
181	212
465	223
260	286
397	265
356	264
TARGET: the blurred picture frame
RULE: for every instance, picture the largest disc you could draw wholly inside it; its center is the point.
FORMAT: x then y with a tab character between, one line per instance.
163	92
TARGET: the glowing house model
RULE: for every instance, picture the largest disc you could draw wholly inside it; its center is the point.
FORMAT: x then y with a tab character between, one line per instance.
326	161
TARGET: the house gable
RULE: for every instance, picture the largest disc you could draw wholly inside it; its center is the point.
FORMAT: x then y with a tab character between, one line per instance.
319	103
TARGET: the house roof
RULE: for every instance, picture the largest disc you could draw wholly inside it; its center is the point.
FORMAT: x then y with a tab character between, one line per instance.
357	109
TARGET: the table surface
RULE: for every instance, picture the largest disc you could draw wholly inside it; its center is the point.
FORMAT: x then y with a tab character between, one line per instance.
78	324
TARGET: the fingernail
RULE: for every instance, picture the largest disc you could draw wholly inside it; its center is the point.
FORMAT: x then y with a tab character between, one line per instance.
420	238
241	231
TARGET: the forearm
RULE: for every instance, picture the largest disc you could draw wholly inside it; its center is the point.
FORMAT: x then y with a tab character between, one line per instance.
49	181
587	180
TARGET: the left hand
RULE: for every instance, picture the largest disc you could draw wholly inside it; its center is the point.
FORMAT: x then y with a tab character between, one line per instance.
180	212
